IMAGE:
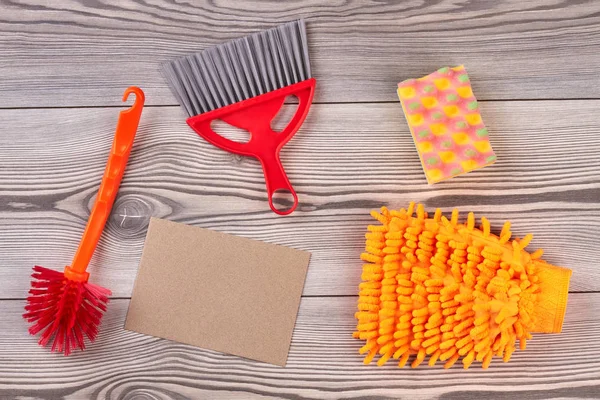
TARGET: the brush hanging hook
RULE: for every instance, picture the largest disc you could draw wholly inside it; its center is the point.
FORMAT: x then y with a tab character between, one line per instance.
139	99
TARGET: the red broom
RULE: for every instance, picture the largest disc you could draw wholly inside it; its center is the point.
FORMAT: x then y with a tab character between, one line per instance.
65	307
244	83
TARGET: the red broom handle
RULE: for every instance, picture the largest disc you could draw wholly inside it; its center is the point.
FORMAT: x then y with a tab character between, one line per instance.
255	115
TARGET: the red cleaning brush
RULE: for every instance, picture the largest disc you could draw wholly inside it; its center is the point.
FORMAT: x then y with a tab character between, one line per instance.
65	306
245	82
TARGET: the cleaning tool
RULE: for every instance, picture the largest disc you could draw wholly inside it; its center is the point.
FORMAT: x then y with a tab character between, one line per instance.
65	306
439	288
446	126
245	82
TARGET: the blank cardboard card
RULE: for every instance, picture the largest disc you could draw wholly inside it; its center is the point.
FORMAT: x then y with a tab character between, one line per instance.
217	291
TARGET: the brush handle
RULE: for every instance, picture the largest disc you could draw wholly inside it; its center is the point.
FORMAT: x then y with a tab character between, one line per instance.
255	115
115	167
277	180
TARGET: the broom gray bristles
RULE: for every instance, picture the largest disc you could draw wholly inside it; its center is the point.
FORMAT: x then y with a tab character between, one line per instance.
240	69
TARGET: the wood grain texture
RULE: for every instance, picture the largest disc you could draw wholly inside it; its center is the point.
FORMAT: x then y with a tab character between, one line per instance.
74	53
323	364
347	160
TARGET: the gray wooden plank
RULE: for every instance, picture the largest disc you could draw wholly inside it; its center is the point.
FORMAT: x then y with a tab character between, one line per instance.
323	364
79	53
346	160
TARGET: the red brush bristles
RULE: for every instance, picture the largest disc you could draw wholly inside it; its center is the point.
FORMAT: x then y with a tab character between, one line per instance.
64	310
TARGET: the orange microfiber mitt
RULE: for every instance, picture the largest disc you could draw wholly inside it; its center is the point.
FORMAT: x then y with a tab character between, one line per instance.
436	287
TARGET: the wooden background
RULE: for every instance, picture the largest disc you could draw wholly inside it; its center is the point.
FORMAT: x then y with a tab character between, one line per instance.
64	66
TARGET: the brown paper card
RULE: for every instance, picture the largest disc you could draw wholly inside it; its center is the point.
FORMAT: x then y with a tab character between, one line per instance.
217	291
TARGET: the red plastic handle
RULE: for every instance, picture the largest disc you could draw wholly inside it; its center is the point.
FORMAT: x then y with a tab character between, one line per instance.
115	167
255	116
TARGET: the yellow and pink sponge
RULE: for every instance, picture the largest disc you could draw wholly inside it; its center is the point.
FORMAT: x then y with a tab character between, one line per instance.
445	122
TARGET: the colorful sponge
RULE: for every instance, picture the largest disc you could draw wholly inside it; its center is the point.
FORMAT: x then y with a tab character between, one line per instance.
444	119
439	288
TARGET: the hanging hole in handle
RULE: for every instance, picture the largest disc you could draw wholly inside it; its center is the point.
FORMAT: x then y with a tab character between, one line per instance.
230	132
282	119
283	201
